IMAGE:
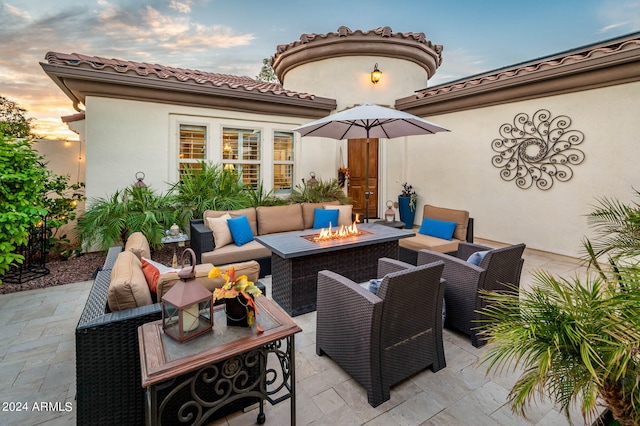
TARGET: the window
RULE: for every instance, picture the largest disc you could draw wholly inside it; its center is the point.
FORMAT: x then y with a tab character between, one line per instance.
241	152
192	147
282	163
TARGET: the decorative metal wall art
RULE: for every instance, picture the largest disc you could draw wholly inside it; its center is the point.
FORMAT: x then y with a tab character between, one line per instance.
539	150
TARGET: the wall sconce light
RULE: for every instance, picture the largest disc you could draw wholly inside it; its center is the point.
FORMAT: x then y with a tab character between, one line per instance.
376	74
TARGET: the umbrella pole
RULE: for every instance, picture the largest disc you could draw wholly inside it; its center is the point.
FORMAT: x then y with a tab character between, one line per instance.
366	184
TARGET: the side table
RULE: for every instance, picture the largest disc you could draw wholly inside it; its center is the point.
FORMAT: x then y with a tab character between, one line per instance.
395	224
179	239
192	383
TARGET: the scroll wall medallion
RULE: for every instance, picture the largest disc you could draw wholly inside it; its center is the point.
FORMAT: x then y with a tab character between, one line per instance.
539	150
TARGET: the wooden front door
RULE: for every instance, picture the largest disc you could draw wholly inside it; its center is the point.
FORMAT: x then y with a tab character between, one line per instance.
357	149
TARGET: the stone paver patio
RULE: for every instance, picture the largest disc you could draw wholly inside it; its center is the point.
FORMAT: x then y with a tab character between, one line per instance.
37	370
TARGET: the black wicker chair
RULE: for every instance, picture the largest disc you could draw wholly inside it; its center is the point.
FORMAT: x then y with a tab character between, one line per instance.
382	339
502	265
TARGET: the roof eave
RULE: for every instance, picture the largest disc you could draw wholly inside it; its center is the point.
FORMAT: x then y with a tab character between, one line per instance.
77	83
603	70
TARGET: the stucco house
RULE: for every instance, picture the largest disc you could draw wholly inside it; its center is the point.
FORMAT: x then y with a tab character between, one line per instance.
531	145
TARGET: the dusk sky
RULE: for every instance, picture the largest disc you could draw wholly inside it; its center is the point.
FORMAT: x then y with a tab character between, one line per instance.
233	37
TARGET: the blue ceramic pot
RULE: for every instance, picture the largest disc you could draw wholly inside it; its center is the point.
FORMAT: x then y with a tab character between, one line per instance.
406	214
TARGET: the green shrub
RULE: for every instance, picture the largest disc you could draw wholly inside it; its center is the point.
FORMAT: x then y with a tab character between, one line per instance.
22	182
109	221
321	192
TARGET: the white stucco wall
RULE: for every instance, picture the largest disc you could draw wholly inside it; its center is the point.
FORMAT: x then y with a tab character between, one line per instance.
447	169
348	80
454	169
124	137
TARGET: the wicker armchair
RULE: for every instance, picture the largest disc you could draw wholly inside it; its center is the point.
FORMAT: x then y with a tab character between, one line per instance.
382	339
502	265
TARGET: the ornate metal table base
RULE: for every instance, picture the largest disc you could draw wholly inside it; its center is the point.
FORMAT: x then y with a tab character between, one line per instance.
220	388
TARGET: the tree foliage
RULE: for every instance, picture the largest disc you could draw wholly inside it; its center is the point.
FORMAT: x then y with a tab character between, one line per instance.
267	75
13	121
22	183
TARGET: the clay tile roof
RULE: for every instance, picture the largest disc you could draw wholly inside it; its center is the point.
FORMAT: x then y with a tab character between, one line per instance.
383	32
543	64
144	69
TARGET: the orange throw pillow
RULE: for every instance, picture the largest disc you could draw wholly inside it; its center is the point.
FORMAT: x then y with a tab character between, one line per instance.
151	274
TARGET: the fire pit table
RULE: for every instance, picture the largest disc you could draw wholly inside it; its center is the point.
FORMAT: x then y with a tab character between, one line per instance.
296	260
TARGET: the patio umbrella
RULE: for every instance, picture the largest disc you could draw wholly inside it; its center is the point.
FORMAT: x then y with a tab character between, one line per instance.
369	121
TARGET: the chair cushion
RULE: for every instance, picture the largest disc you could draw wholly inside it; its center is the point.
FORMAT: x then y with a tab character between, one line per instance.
324	218
220	227
461	217
138	244
240	230
344	217
437	228
420	241
128	287
272	219
233	253
477	257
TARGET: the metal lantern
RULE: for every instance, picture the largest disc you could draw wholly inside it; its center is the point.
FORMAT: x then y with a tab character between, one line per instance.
390	215
187	306
313	181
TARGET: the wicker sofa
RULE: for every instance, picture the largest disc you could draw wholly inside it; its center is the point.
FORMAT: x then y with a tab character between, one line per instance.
409	247
263	220
108	378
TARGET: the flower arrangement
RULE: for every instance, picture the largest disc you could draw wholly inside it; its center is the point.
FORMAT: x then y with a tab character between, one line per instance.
345	171
408	191
235	287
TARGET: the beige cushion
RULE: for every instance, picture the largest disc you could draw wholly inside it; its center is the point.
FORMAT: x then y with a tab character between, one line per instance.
428	242
128	287
249	212
461	217
138	244
232	253
274	219
220	227
344	217
308	210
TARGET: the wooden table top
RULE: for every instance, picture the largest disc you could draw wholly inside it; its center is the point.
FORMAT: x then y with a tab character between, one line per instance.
162	358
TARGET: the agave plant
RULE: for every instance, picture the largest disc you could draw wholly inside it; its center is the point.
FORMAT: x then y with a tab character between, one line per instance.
577	340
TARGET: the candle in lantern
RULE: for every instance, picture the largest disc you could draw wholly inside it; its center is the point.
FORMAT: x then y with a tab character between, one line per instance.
190	318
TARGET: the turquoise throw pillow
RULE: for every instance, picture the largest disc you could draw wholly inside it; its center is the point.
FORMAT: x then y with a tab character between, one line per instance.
323	218
240	230
437	228
477	257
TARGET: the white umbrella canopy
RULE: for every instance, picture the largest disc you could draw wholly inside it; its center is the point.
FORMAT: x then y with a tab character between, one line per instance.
369	121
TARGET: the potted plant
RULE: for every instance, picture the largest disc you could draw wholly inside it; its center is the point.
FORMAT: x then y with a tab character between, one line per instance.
577	339
238	294
407	201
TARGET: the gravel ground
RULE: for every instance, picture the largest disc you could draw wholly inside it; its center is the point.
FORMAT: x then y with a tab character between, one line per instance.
75	270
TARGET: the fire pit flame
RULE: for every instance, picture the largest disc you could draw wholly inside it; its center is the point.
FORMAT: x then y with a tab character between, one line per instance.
342	232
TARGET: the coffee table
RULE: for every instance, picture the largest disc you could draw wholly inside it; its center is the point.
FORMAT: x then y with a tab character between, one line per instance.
196	381
296	261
